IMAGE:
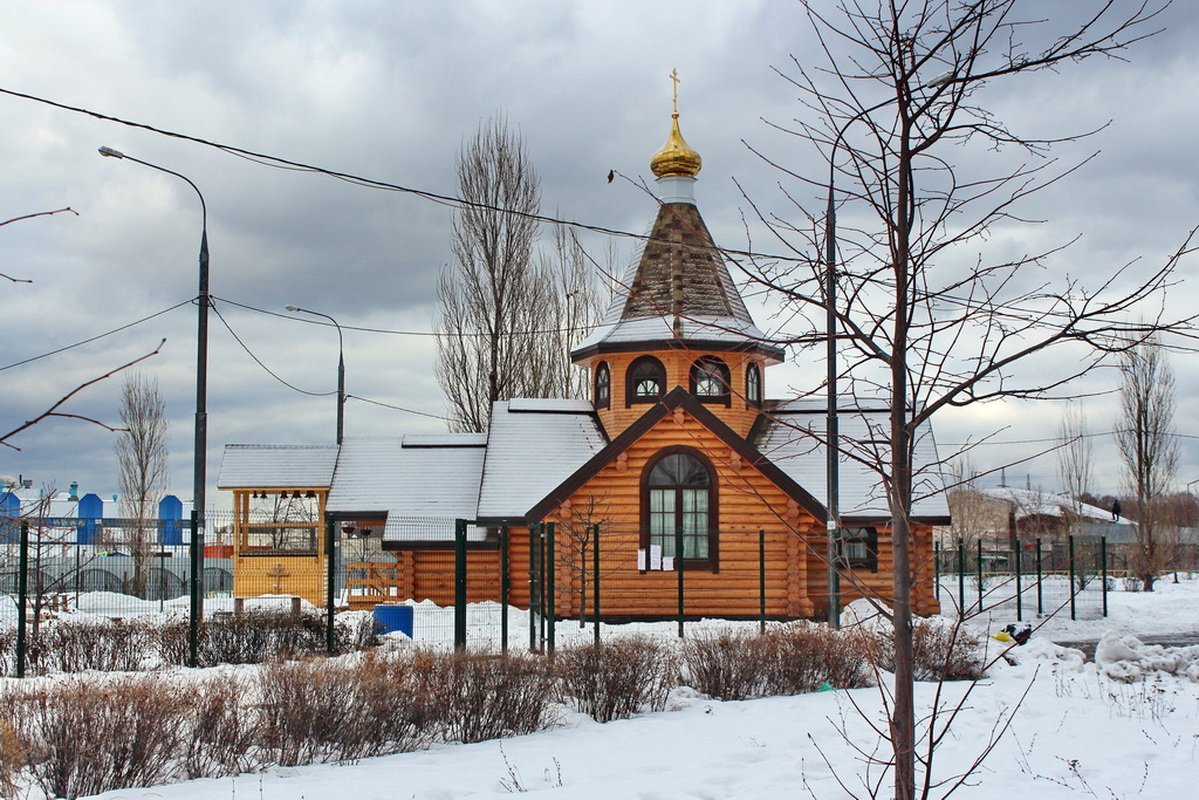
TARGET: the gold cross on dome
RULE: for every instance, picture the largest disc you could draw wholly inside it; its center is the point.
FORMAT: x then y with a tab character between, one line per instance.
674	77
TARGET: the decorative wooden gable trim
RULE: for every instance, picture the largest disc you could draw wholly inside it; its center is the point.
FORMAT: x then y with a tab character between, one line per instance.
677	401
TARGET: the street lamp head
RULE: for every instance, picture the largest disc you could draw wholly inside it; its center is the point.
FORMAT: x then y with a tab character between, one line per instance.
292	308
108	152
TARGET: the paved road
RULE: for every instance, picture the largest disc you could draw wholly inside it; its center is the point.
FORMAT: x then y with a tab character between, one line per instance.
1184	639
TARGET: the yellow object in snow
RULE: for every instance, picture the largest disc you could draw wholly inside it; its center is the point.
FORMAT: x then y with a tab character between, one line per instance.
1003	637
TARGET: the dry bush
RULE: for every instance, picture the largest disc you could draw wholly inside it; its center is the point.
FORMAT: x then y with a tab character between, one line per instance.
258	637
103	646
82	737
946	652
941	651
8	651
224	731
390	716
617	679
303	711
726	665
785	660
473	697
802	658
12	759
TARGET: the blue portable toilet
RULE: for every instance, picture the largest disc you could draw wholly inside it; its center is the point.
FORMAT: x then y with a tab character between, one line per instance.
170	513
10	510
91	511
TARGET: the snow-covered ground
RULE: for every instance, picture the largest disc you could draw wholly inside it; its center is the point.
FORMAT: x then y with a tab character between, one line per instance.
1125	727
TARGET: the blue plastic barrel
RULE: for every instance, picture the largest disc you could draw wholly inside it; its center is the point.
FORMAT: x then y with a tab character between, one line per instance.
389	619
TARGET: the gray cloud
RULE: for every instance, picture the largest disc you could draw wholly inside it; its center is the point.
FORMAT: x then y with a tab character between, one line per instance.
388	90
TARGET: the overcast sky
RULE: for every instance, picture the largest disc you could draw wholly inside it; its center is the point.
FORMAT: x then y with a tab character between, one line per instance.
388	90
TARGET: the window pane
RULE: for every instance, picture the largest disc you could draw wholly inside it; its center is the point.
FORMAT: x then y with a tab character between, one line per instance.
855	550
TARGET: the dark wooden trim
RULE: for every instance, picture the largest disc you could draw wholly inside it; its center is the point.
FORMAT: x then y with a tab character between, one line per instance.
438	545
607	401
712	562
777	354
725	398
677	398
752	365
630	396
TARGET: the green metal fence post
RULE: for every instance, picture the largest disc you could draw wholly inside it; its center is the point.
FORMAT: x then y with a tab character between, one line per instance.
1103	568
961	578
541	606
1073	609
534	544
595	579
22	601
761	580
937	569
978	568
1040	582
678	567
193	616
330	583
550	588
459	584
505	586
1019	595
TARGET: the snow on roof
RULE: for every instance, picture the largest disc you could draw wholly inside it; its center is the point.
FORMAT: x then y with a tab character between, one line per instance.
1032	502
532	446
419	476
793	439
696	331
253	466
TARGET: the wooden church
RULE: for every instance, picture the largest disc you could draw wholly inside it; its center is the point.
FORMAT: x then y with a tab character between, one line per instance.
677	445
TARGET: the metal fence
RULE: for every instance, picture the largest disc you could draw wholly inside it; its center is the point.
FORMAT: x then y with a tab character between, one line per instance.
1028	580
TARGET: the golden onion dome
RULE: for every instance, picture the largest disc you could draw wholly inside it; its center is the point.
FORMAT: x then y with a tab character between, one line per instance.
676	157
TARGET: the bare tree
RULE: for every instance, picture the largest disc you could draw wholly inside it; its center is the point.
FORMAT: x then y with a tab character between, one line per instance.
508	318
1075	455
1149	450
1075	464
144	469
570	308
926	310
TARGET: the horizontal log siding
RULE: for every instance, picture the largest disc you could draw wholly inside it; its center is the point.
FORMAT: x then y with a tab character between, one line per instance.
433	576
879	584
747	502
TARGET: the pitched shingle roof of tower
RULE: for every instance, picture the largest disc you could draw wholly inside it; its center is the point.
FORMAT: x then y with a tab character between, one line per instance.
680	275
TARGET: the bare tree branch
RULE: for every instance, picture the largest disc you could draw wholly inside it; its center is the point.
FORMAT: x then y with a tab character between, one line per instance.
53	411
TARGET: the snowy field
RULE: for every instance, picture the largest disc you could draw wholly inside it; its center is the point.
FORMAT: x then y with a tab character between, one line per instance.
1125	727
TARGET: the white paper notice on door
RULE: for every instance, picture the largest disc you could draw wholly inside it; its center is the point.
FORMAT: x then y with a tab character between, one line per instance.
655	556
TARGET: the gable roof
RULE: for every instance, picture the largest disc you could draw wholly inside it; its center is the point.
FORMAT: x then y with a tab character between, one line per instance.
412	476
675	398
531	446
277	466
792	435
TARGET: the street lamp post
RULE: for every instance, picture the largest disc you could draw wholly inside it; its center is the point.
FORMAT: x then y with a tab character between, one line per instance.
201	440
341	367
832	432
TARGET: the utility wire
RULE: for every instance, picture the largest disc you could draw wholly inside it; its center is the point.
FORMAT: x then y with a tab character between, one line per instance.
397	408
97	337
258	360
266	159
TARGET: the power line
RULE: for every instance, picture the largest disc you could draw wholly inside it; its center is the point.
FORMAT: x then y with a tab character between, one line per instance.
98	336
278	162
397	408
258	361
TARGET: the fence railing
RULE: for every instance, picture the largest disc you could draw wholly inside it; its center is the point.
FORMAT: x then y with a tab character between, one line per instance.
1028	579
